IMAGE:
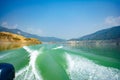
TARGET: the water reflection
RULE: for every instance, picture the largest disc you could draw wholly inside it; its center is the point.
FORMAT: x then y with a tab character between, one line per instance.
7	45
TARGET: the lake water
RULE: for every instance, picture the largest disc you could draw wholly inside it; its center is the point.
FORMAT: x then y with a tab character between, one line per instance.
64	62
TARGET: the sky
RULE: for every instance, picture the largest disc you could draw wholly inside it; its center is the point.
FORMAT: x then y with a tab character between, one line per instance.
64	19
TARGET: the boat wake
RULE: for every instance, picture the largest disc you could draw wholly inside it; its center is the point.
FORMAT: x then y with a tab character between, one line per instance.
59	47
80	68
29	72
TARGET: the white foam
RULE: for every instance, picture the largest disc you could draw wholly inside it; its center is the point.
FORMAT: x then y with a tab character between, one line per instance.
30	71
59	47
80	68
21	71
27	49
0	71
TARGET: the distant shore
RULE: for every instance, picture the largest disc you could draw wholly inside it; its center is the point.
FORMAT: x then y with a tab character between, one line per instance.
95	42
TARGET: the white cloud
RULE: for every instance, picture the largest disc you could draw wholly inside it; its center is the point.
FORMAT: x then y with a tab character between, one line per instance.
108	22
6	25
112	21
34	31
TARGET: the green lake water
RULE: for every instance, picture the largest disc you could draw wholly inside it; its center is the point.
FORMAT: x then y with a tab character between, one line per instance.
64	62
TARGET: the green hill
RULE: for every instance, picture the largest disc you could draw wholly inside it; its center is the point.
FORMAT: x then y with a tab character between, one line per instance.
105	34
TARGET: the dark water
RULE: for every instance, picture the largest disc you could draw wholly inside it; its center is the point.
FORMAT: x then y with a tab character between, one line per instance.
64	62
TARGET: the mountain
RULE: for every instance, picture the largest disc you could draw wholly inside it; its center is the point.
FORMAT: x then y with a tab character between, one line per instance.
105	34
10	37
28	35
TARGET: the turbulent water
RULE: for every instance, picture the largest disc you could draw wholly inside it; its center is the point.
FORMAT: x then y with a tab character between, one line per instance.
58	62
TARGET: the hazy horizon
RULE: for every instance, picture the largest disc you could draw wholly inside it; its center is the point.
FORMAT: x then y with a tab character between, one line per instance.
64	19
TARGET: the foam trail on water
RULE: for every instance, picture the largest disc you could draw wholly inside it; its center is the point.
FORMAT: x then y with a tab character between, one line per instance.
59	47
21	71
27	49
80	68
30	71
0	71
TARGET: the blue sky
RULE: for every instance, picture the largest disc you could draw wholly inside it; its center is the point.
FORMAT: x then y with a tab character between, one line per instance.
60	18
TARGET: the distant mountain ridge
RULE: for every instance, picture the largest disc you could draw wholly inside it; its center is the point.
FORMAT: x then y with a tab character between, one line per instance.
28	35
105	34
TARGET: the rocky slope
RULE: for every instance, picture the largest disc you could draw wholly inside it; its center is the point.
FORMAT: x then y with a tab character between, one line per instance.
15	38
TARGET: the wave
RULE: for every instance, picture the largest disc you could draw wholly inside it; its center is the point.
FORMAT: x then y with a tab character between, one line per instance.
30	72
80	68
67	63
59	47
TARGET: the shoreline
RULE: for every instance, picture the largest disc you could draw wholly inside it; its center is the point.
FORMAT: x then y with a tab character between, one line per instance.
95	42
14	45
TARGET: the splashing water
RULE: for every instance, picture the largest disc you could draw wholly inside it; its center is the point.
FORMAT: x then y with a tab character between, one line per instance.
59	47
0	71
80	68
29	72
52	62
